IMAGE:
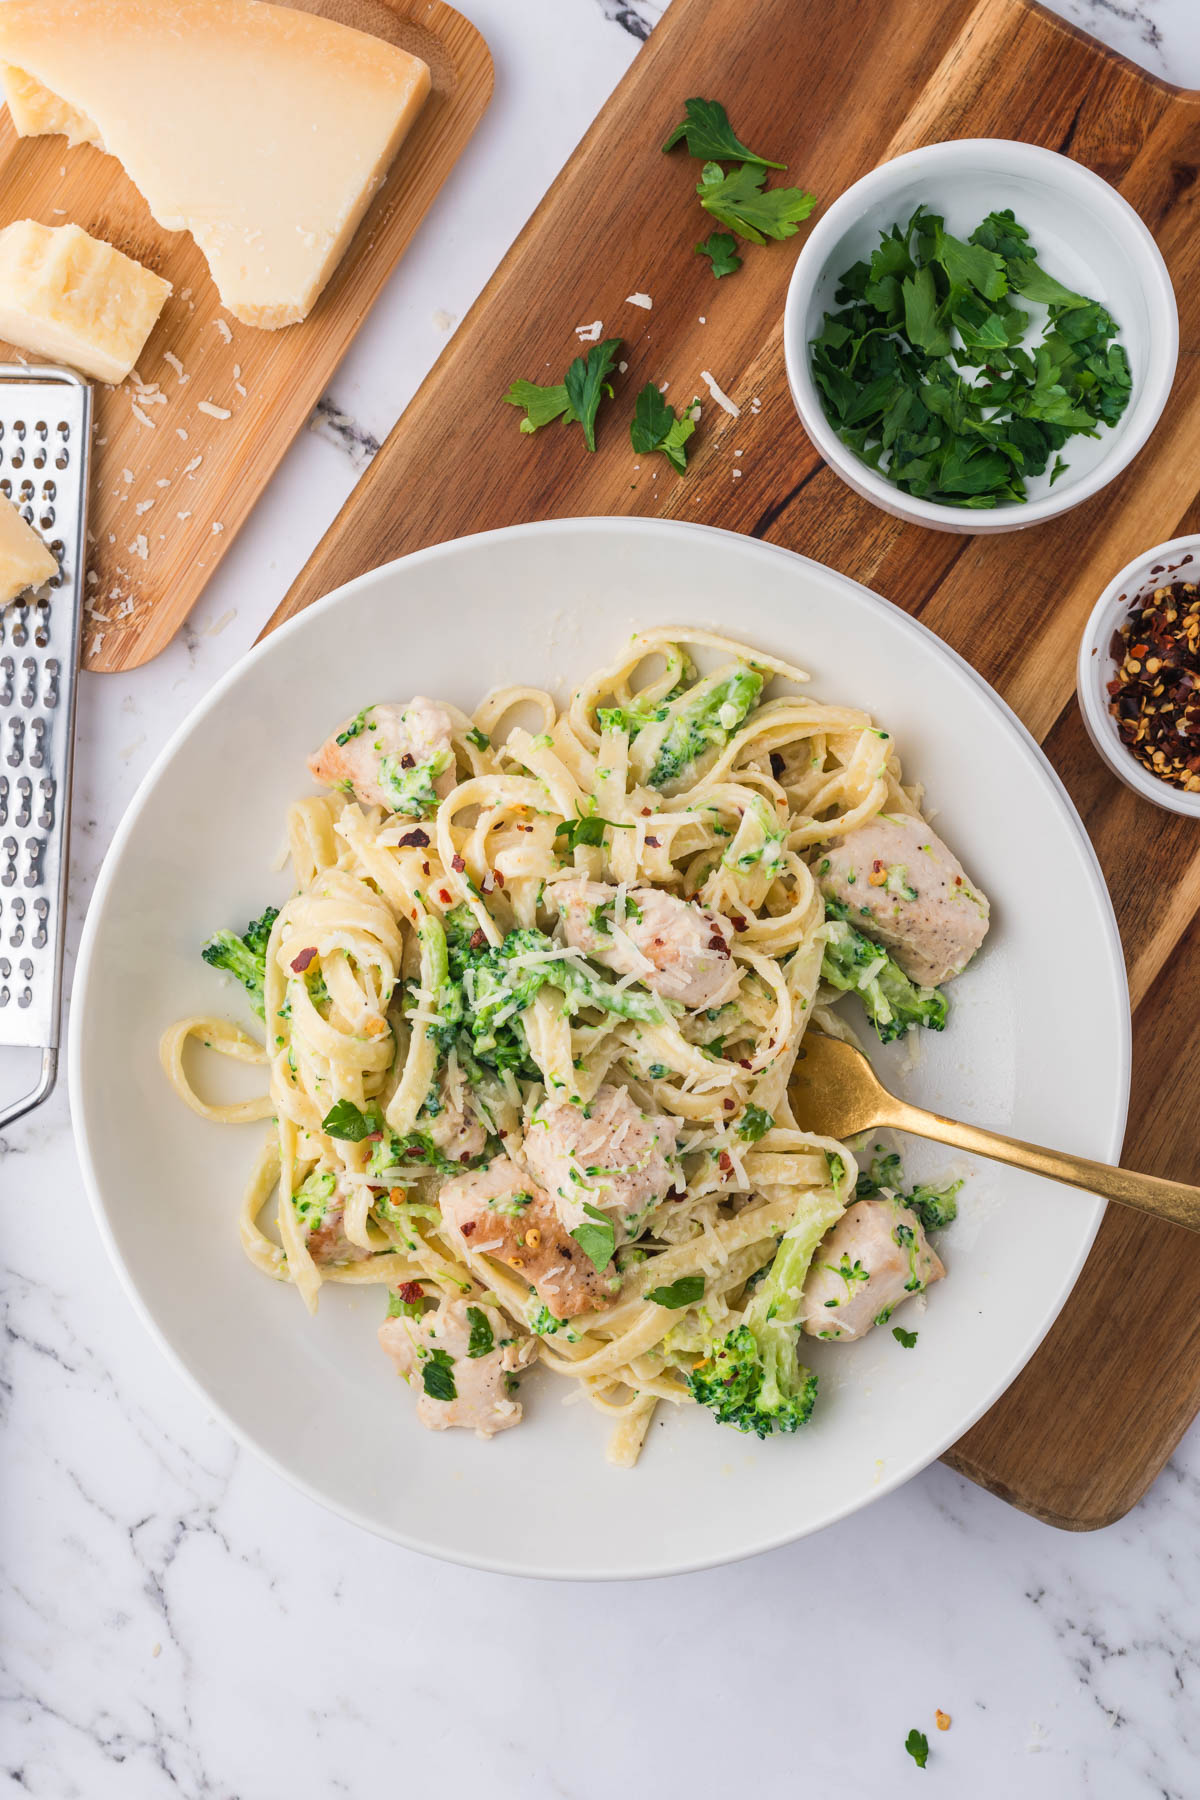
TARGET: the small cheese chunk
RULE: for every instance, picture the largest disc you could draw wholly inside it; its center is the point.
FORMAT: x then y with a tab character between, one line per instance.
261	130
74	299
25	561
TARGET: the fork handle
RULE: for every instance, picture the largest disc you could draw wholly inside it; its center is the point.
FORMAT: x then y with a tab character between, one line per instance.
1173	1200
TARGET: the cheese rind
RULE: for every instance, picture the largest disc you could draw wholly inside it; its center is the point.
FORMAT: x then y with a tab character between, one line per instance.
75	299
25	561
263	131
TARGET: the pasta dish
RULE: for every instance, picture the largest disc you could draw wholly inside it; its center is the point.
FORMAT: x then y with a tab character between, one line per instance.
530	1017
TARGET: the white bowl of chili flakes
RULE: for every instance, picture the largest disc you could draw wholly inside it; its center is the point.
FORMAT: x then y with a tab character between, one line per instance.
1138	675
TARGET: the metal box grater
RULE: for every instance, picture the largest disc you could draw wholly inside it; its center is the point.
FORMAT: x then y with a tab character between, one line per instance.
45	443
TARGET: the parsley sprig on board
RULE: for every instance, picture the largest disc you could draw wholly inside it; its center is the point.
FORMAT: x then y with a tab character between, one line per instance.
926	373
738	197
576	399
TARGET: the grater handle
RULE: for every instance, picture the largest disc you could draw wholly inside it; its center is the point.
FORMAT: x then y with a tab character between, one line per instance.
44	1088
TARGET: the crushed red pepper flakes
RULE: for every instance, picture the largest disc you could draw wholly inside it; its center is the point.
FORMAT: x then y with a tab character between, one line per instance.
302	961
1155	694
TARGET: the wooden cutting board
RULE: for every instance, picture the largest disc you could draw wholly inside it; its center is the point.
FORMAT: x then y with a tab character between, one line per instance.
172	481
837	86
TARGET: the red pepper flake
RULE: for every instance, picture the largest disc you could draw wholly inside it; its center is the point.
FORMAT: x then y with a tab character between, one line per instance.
302	961
410	1291
1154	695
729	1105
424	868
651	843
373	1137
725	1162
738	923
457	864
717	942
467	1227
415	1153
498	878
777	764
408	761
647	812
444	896
478	939
414	840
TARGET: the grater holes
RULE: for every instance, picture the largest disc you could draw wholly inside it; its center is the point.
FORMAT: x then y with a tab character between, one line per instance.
3	799
35	849
42	429
18	614
24	802
46	518
16	742
41	635
50	694
25	997
5	968
58	550
60	461
17	459
26	490
29	669
40	936
5	996
16	936
49	491
46	815
39	458
7	666
8	874
37	752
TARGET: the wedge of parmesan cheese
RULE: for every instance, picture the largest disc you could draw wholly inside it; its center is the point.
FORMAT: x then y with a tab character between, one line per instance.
25	562
74	299
261	130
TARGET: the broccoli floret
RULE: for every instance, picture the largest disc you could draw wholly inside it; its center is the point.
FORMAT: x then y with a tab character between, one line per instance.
702	719
935	1207
311	1199
244	957
486	988
753	1377
411	791
854	964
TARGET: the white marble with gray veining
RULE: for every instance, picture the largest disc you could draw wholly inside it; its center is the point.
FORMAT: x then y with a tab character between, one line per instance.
174	1621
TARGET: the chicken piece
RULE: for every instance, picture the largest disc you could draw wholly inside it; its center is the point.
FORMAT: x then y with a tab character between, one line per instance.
397	757
875	1257
607	1154
906	889
475	1388
502	1212
318	1205
677	947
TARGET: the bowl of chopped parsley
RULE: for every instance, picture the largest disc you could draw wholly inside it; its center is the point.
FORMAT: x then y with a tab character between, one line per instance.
980	335
1138	675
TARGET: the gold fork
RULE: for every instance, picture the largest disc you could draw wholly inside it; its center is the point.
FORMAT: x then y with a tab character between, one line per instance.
835	1092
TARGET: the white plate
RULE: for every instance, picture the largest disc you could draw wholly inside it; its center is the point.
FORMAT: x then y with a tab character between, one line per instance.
1038	1043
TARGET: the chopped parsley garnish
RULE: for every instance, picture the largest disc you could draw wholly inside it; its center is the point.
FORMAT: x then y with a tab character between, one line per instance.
479	739
437	1376
344	1120
482	1340
576	400
655	427
906	1338
356	725
917	1745
678	1294
598	1240
754	1123
741	201
711	138
722	251
589	831
925	372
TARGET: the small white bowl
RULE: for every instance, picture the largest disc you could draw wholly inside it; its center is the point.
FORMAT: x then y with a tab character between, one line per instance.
1097	667
1083	232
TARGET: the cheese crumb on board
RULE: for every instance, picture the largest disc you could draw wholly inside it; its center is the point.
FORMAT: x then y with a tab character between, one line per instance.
263	131
74	299
719	395
642	300
25	561
214	412
589	334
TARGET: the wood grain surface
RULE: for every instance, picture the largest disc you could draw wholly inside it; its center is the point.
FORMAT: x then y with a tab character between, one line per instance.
836	86
171	488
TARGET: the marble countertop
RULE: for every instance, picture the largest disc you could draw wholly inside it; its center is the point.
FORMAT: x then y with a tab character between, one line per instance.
178	1622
